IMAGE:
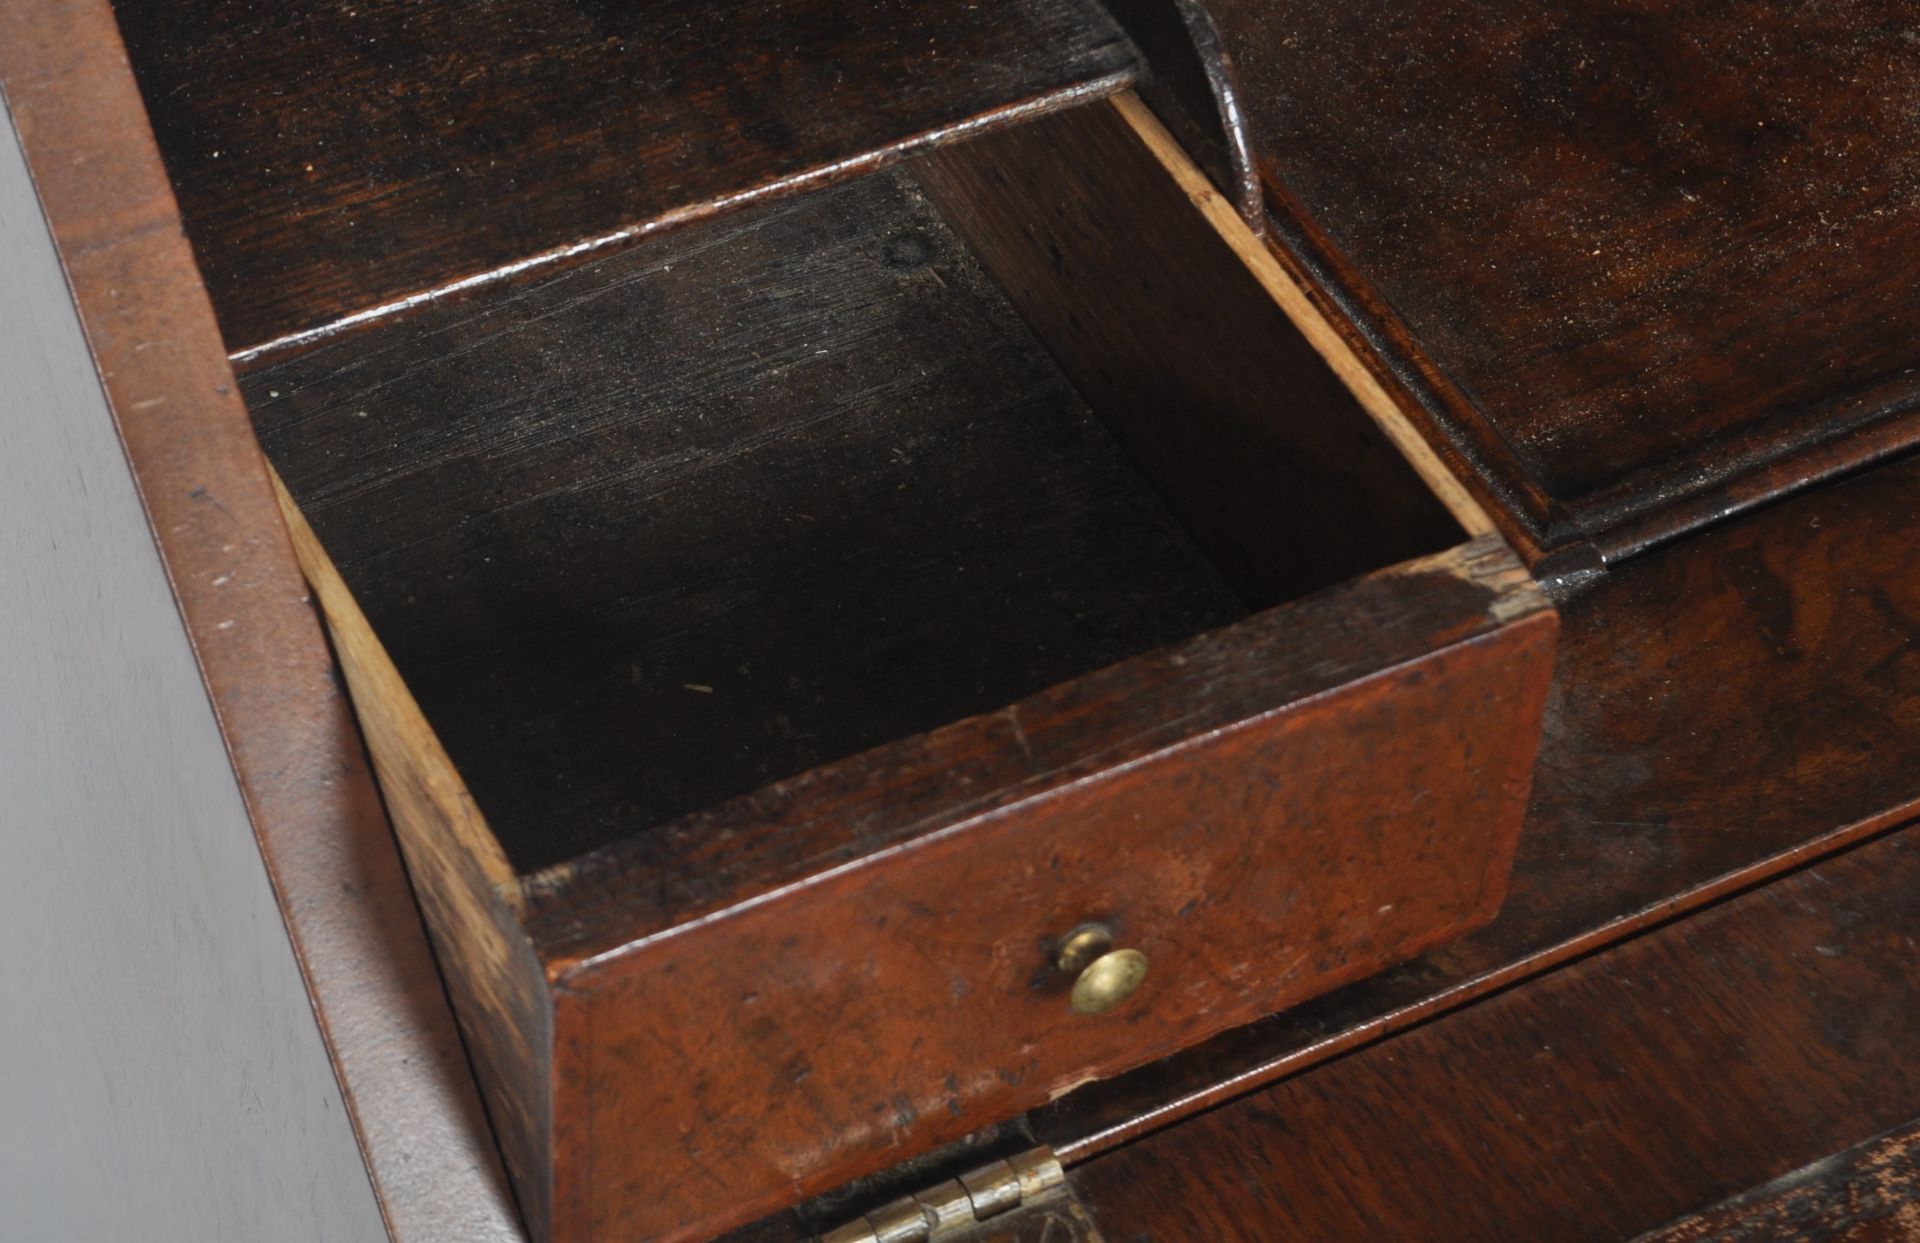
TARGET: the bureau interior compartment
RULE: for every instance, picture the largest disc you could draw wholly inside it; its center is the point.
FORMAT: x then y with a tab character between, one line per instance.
773	637
661	529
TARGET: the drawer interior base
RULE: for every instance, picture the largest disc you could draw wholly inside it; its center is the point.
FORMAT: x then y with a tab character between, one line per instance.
704	515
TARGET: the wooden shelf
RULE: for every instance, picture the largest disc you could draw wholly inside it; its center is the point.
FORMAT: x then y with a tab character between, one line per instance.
339	160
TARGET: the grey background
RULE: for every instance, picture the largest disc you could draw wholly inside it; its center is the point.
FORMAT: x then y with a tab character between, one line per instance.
161	1074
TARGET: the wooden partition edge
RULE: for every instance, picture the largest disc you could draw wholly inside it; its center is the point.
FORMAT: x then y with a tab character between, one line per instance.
263	655
556	258
1255	445
1307	316
461	877
387	710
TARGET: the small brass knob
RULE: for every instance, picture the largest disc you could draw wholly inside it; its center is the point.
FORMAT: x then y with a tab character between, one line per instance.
1103	976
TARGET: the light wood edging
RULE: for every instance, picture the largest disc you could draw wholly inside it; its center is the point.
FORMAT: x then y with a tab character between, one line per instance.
460	875
1308	318
395	724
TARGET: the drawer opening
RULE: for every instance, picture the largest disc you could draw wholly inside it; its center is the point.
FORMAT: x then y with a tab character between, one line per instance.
775	489
783	630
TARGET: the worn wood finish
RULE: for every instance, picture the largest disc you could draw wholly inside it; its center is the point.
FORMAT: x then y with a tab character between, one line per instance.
1459	607
701	517
794	442
1721	709
1869	1193
987	840
1638	259
1781	649
286	724
344	158
1623	1090
772	926
1241	424
1264	812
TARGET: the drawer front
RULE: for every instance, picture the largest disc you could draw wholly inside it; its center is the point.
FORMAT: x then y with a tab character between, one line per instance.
1362	806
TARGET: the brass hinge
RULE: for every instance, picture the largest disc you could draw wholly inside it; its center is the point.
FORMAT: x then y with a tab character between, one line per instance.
1022	1197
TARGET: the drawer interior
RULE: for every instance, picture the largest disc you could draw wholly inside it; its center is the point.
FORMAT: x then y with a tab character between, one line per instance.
787	627
813	507
666	527
704	515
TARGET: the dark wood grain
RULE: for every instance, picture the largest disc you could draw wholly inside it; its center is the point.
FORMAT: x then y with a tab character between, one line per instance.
863	952
339	157
1640	259
1721	709
1243	428
1619	1092
696	518
1869	1193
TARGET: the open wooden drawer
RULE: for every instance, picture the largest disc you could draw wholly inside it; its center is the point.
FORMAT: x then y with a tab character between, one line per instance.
784	641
